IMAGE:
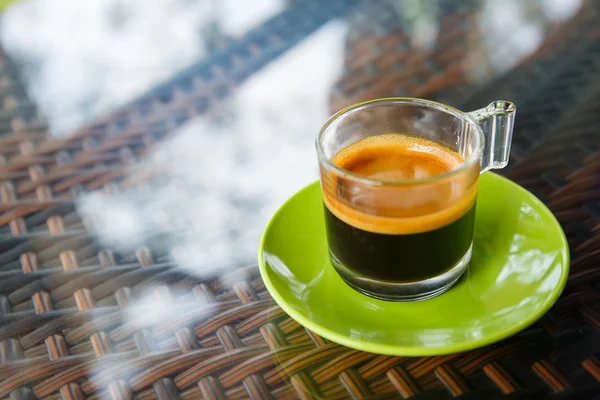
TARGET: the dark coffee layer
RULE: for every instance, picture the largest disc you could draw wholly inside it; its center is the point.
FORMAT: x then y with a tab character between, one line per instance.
400	258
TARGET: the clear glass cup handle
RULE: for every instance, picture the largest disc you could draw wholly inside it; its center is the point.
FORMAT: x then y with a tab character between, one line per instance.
496	121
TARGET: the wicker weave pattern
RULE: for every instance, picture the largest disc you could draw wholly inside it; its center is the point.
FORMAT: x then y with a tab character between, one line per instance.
66	301
386	64
38	172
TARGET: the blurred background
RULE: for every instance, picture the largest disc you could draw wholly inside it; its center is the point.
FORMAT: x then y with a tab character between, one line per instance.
144	145
249	109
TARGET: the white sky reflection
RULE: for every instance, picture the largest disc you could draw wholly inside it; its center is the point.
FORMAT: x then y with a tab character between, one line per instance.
83	58
224	180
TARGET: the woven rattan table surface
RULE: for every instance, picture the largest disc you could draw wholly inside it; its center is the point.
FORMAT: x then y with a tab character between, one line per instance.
83	316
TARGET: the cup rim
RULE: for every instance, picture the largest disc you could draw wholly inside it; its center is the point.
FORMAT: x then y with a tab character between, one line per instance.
475	157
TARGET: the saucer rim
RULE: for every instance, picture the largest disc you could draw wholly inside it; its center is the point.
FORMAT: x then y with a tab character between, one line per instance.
403	350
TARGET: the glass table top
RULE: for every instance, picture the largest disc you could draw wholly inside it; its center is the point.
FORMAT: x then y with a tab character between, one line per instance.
144	146
233	160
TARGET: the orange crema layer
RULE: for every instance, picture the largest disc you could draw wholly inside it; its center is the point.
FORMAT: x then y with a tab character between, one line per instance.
399	209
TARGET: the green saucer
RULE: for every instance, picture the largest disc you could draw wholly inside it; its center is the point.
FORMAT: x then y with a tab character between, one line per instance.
519	267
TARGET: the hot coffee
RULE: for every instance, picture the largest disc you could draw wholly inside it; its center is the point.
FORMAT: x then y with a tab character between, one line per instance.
400	208
396	232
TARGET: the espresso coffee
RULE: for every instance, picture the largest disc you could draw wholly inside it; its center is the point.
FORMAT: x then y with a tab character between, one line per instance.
399	233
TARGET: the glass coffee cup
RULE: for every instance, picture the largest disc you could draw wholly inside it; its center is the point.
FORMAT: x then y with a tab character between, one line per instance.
399	181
